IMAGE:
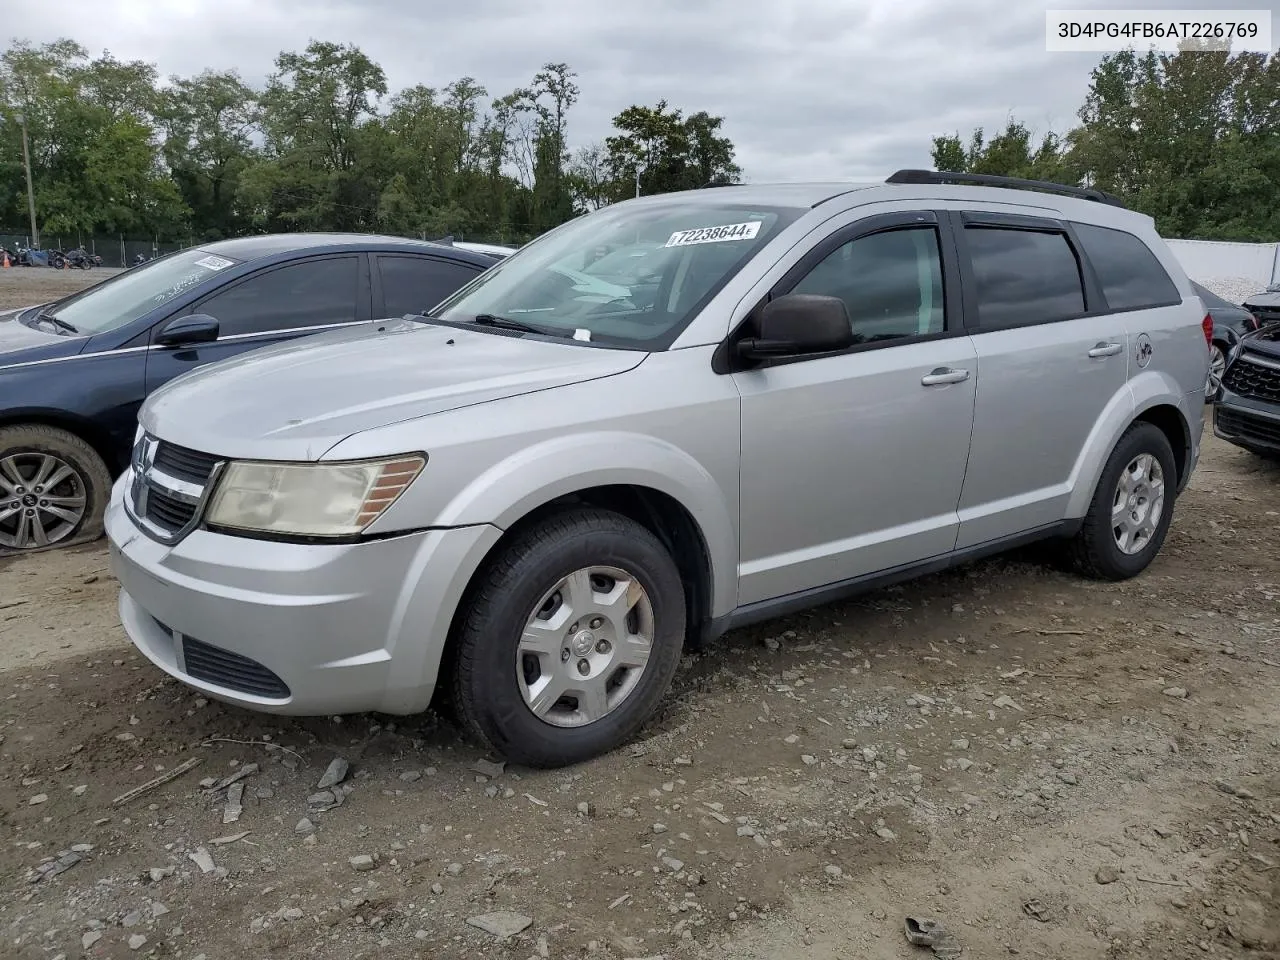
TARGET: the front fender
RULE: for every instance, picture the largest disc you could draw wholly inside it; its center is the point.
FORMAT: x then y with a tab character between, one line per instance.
1148	389
512	488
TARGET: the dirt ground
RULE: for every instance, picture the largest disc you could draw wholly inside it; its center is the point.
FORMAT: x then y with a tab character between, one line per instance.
1053	768
24	286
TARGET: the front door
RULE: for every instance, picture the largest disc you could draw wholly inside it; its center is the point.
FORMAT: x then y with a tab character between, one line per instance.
277	303
853	463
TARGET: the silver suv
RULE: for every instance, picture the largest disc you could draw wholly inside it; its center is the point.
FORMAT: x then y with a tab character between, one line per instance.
660	421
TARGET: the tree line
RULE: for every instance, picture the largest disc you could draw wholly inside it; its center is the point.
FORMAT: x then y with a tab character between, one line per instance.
323	145
1191	138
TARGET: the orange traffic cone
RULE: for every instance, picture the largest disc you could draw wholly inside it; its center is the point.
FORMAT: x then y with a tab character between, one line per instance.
6	260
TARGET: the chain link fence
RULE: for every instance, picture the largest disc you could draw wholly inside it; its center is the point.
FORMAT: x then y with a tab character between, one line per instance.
114	251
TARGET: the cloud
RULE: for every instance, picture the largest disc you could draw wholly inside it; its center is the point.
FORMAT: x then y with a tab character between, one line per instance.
809	89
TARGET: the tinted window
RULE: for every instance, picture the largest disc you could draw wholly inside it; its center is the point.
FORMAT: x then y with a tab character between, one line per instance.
891	283
1130	274
416	284
1023	277
308	294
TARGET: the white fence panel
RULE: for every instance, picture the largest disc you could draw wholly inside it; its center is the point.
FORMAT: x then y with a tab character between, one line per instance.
1210	261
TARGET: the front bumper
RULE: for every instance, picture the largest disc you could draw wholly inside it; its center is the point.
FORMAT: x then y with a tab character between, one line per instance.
1248	423
299	629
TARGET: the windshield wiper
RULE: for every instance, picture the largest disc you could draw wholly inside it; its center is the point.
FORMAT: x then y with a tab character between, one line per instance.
56	322
506	323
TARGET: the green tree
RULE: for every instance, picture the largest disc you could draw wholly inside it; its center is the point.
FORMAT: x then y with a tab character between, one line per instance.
552	94
1013	152
313	114
209	121
663	151
95	152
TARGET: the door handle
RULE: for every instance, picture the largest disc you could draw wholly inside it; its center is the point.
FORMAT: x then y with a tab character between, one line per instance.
1106	349
944	375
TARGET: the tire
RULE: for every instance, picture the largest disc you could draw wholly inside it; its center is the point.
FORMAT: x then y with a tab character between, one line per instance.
1095	550
494	684
83	492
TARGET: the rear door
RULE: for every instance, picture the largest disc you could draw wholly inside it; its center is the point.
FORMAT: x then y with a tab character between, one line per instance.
1051	359
406	283
279	302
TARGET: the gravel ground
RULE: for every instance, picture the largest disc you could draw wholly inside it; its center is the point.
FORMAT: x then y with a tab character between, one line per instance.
24	286
1053	768
1234	289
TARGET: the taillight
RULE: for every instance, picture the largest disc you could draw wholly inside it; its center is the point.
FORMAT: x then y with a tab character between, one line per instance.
1207	326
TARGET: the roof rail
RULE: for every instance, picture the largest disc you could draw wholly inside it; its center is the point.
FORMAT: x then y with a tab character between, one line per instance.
1015	183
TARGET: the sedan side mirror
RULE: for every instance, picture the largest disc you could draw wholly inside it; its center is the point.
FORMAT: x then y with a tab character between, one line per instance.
798	324
195	328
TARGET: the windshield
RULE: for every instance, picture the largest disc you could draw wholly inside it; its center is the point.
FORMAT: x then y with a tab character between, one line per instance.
127	296
629	276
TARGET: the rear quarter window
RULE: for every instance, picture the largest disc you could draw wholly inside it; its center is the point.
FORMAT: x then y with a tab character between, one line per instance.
1131	276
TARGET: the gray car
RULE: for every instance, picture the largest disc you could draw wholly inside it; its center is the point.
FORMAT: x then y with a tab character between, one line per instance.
531	500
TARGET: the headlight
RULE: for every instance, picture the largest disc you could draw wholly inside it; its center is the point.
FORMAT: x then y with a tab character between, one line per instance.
310	499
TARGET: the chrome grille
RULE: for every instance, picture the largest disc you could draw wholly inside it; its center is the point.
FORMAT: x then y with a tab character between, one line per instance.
169	482
189	465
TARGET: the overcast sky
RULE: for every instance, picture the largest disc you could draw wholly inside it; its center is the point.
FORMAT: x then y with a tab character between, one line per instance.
809	89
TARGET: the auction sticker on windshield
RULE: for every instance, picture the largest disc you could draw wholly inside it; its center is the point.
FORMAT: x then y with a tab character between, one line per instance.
215	263
720	234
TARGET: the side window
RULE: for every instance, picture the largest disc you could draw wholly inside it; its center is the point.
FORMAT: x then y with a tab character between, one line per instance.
1023	277
308	294
891	283
1130	274
416	284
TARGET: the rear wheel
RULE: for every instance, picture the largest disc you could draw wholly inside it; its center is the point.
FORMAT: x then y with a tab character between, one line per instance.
1132	507
572	638
53	489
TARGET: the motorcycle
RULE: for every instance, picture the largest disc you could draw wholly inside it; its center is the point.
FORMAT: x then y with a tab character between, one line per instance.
79	258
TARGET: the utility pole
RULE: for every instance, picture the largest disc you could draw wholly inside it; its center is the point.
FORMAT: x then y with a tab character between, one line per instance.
637	179
31	194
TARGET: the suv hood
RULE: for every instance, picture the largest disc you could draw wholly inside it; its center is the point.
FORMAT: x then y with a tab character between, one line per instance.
295	400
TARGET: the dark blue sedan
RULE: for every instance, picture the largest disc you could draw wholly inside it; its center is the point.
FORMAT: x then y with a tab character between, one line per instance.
74	373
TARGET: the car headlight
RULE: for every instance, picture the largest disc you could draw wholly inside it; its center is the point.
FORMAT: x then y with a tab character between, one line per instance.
309	499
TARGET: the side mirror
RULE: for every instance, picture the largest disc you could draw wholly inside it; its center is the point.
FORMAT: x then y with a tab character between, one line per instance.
195	328
797	324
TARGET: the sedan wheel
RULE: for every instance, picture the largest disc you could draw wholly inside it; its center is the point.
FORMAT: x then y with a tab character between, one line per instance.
42	500
54	489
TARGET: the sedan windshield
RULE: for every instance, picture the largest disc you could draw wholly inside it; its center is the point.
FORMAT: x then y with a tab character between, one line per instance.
629	276
129	295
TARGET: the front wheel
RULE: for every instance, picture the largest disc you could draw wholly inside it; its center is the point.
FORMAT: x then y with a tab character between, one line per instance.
1131	509
571	639
53	489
